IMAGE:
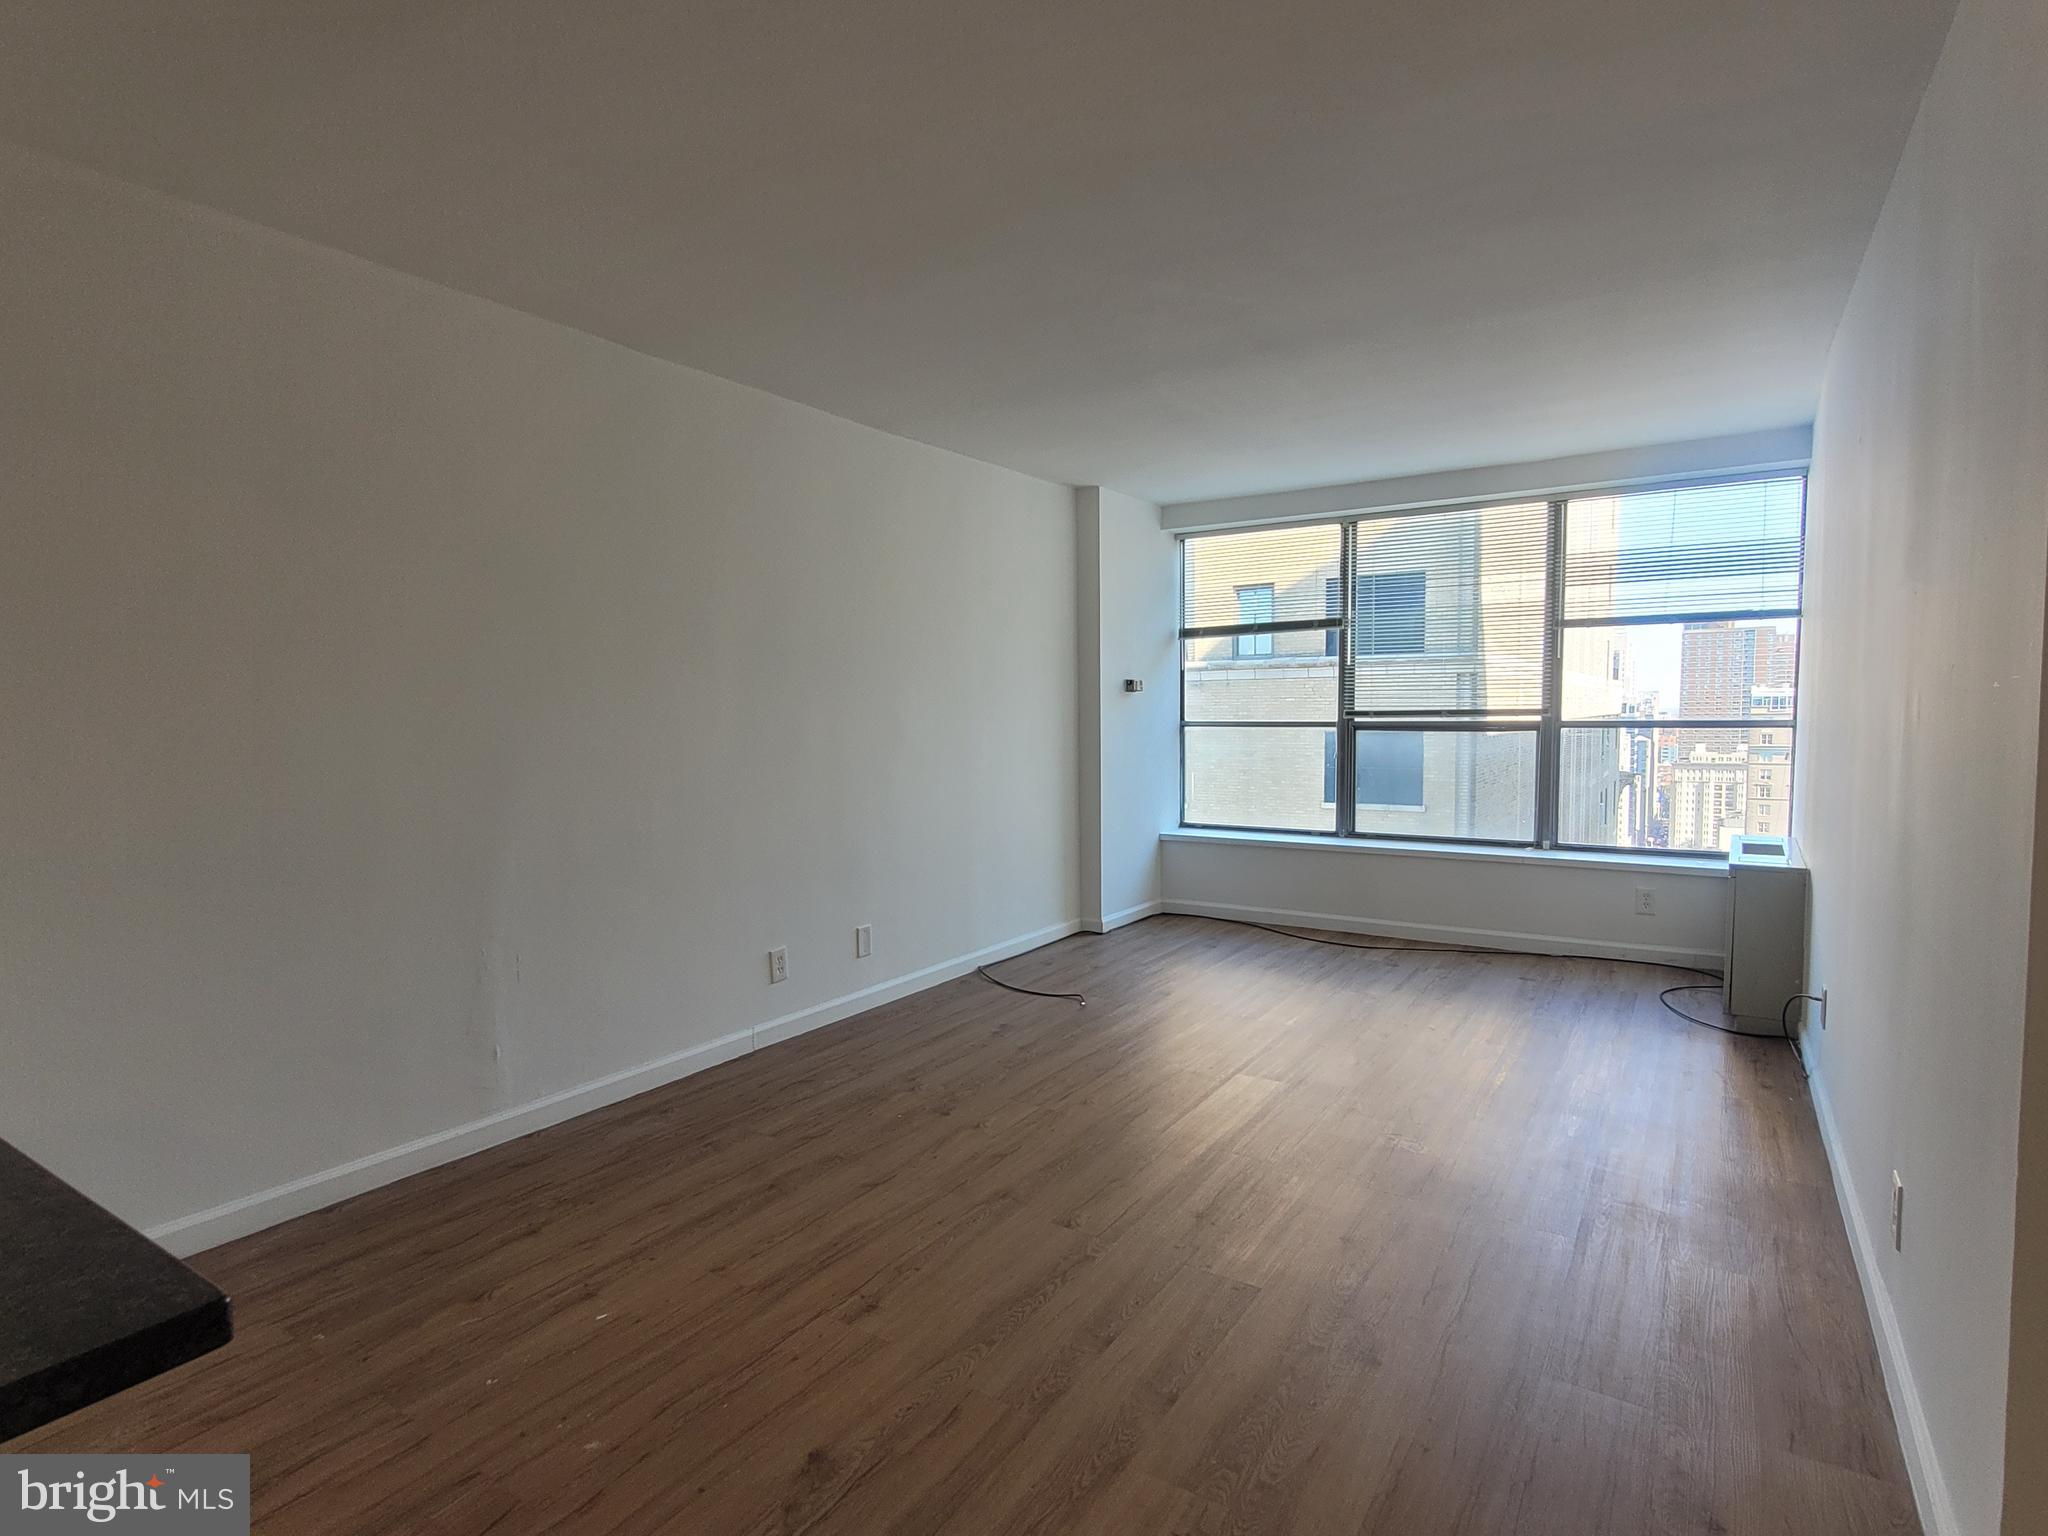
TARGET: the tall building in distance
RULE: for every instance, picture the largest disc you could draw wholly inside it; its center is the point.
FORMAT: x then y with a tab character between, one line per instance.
1767	801
1595	787
1722	666
1707	797
1721	782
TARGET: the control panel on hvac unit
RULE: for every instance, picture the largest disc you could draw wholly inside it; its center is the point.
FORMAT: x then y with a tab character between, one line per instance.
1766	964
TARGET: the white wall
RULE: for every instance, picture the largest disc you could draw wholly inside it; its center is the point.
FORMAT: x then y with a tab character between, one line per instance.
1552	903
1920	698
1130	742
414	710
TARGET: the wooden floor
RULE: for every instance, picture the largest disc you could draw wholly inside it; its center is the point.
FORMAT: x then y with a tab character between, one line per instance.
1271	1236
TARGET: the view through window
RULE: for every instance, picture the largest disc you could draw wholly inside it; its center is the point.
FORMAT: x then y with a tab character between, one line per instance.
1612	671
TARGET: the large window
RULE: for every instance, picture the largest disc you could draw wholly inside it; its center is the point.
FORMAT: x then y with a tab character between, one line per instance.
1611	671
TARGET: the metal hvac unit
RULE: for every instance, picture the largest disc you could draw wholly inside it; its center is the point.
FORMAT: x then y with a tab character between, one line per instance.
1766	965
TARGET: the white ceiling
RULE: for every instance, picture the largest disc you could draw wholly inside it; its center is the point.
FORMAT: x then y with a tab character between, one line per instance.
1184	248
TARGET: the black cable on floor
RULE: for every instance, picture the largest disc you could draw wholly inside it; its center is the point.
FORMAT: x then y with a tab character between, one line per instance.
1785	1023
1784	1018
987	975
1447	949
1664	997
1405	949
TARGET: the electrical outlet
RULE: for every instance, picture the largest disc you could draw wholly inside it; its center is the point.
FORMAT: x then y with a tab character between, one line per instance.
1646	901
863	942
778	965
1898	1213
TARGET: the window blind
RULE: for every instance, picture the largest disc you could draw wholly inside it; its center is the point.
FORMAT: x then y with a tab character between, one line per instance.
1284	575
1451	612
1712	549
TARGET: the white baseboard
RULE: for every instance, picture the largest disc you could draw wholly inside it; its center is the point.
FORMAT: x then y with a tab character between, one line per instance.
1437	933
1110	922
266	1208
790	1025
1923	1467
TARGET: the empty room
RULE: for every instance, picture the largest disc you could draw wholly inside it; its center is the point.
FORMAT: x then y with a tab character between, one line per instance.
1131	768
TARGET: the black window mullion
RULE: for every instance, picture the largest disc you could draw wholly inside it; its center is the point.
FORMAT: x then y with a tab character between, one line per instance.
1549	734
1180	608
1347	740
1274	627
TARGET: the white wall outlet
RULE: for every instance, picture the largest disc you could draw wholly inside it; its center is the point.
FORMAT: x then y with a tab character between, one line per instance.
863	942
1646	901
1898	1213
778	965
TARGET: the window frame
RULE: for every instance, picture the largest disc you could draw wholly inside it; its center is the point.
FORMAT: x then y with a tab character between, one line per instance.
1335	637
1547	724
1421	772
1330	771
1253	630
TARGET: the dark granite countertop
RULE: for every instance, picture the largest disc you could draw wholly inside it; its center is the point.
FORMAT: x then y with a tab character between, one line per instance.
88	1305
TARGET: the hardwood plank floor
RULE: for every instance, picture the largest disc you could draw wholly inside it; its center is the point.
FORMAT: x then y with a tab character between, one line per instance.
1269	1237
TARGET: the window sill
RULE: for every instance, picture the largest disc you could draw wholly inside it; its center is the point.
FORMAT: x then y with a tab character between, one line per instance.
1556	858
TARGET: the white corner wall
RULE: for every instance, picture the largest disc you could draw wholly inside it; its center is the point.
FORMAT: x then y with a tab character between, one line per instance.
421	719
1920	701
1130	742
